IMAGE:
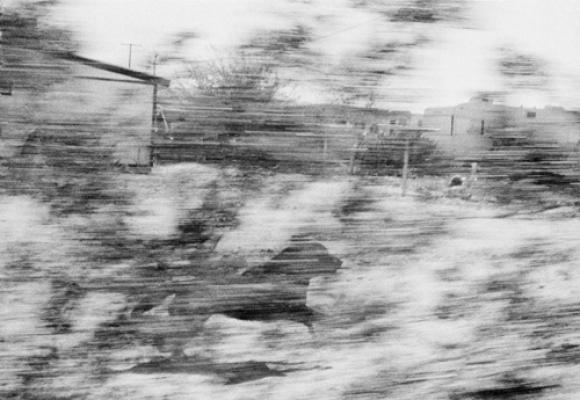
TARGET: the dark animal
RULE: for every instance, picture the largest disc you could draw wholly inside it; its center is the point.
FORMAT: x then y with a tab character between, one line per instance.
273	291
276	290
291	271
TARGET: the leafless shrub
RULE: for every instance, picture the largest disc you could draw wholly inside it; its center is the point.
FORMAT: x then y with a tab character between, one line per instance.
233	80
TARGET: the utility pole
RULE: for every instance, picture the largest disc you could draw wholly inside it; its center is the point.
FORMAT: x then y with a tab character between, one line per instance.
152	157
130	45
325	147
155	60
405	173
452	124
154	116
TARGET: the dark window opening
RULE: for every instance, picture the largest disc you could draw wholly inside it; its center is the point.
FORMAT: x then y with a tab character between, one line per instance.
531	114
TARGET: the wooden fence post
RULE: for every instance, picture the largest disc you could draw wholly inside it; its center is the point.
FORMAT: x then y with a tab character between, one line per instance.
473	174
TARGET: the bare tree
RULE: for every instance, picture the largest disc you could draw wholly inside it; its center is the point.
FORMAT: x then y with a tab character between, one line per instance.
234	81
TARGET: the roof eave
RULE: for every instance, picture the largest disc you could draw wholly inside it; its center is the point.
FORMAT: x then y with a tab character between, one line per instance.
142	76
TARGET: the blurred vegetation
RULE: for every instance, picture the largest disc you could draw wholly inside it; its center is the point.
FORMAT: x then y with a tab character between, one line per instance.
26	43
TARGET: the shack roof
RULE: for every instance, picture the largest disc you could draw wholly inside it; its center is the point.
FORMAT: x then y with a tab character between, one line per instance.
142	76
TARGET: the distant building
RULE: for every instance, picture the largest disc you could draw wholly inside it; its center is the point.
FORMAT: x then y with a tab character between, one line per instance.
473	126
464	127
554	124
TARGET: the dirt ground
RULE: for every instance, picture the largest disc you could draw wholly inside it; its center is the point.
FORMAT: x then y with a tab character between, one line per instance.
441	294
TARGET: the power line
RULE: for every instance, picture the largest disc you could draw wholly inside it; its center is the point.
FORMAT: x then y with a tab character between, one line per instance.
312	40
345	29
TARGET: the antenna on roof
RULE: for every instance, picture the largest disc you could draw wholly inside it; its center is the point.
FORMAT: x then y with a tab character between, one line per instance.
130	45
155	61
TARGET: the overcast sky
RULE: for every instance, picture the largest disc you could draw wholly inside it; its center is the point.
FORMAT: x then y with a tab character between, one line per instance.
459	62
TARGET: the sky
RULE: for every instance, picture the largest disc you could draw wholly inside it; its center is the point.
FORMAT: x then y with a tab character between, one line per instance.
459	62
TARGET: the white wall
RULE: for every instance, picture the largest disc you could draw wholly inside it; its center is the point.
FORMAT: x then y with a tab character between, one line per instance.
117	112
